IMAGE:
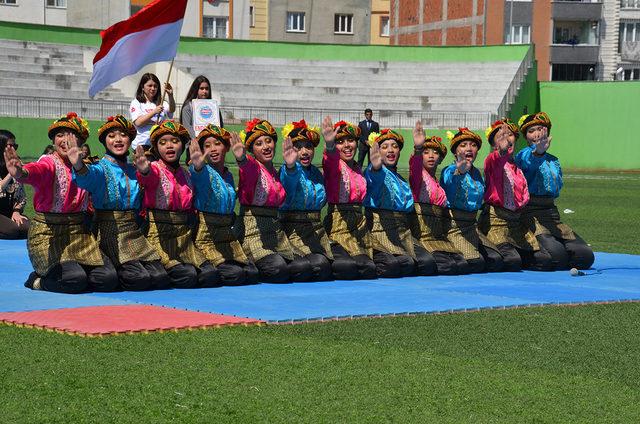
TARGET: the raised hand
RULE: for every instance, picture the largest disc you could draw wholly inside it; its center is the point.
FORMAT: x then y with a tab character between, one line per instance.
418	135
501	140
289	154
543	143
237	147
13	162
141	161
73	152
328	132
375	157
462	164
158	110
198	159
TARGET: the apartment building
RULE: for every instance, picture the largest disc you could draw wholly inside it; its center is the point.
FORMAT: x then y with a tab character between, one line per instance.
203	18
574	39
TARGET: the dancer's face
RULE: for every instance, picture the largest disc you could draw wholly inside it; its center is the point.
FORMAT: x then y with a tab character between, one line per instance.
169	148
305	151
117	142
263	149
215	151
430	159
390	152
535	133
61	141
347	148
468	149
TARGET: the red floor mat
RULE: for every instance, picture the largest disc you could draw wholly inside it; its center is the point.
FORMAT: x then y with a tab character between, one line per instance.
105	320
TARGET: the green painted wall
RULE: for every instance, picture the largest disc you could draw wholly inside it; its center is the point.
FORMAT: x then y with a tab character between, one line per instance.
203	46
593	123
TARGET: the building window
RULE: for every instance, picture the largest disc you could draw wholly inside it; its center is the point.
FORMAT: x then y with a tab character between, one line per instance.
57	3
295	21
384	26
343	24
630	4
575	32
630	31
520	34
632	74
215	26
7	1
252	17
573	72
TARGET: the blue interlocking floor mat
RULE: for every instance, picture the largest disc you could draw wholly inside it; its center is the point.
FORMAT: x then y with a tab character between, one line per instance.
614	277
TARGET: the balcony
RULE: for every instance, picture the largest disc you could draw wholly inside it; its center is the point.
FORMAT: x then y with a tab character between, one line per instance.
630	51
576	10
574	53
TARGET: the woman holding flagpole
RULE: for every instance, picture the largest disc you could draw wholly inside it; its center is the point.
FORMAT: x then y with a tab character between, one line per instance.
148	108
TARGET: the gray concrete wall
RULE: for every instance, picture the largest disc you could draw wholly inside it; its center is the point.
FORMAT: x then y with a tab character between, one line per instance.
96	13
319	21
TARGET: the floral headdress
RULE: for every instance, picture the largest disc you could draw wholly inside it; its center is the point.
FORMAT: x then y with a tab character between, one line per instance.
386	134
216	132
495	127
435	142
72	122
462	135
300	131
255	129
346	130
169	127
540	118
116	122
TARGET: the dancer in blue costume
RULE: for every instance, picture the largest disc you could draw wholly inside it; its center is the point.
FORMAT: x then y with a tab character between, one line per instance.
388	205
116	197
544	178
215	201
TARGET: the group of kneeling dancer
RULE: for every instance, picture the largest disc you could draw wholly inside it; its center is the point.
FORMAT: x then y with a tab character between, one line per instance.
157	224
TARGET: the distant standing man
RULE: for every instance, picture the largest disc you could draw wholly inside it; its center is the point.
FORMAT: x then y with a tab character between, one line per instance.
366	127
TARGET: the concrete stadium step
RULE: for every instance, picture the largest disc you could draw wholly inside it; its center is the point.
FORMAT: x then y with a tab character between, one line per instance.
454	91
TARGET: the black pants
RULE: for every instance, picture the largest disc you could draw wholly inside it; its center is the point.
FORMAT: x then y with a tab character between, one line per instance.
275	269
363	153
566	254
347	267
451	263
320	267
234	273
137	276
515	259
72	277
9	230
393	266
426	263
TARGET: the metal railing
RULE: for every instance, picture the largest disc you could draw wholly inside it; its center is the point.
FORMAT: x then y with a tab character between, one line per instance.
516	84
49	108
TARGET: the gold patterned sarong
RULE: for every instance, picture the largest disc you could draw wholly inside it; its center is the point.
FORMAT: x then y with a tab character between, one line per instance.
464	234
430	226
390	232
501	225
217	241
260	233
306	233
169	233
542	217
55	238
346	225
121	239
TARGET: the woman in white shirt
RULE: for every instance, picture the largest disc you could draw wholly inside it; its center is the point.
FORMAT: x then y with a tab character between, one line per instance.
146	110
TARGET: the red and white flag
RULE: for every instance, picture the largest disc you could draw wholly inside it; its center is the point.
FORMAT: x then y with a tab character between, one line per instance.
149	36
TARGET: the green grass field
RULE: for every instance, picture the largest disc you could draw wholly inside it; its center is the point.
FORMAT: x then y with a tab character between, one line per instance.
553	364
